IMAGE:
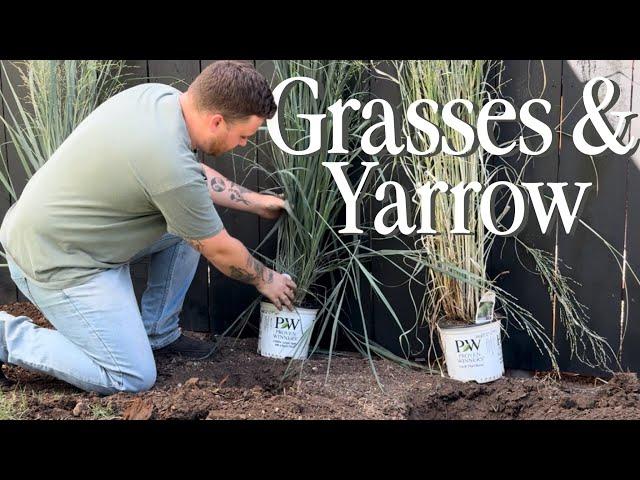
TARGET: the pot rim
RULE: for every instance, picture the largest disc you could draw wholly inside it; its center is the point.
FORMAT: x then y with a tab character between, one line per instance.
313	311
468	326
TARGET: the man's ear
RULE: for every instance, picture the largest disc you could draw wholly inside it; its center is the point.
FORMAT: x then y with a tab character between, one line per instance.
215	121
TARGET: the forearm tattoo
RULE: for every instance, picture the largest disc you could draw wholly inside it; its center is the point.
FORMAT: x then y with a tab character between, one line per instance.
253	273
236	195
217	184
236	192
240	274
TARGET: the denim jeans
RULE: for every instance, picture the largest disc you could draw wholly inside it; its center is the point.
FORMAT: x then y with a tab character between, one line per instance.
103	342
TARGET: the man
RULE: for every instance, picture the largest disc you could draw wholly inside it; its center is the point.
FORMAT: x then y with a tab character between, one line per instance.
126	184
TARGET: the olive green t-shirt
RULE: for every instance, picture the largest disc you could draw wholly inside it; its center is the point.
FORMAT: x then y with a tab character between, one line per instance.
124	177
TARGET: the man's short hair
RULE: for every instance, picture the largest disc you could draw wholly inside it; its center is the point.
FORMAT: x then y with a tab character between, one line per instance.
233	89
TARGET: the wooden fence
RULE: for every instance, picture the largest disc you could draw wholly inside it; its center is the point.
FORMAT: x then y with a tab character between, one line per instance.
610	294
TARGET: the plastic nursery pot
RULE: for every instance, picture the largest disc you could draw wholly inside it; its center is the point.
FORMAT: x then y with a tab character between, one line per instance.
473	352
285	334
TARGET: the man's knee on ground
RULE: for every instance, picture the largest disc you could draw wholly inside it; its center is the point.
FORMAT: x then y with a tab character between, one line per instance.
141	380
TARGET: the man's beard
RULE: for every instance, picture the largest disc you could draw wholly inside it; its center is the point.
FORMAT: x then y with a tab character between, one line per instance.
216	148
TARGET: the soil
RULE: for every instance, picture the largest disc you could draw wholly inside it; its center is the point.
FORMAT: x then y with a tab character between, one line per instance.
454	323
237	383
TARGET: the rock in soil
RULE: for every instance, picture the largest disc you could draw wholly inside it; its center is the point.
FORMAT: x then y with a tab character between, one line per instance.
80	409
139	409
192	382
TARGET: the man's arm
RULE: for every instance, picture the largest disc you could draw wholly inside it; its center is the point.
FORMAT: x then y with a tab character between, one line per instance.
227	193
233	259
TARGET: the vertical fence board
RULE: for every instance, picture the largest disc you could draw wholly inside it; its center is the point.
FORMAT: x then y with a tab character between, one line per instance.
16	170
630	350
8	290
592	265
388	332
524	80
358	315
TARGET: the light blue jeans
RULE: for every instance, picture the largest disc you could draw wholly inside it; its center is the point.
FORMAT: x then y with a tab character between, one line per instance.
103	342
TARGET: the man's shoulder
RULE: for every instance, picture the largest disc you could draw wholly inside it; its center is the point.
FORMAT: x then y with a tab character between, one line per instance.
153	138
151	113
138	95
152	87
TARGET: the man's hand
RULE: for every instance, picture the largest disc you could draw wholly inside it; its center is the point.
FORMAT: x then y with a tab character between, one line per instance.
271	207
279	289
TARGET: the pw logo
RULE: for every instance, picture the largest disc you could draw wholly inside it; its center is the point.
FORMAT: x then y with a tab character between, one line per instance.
466	345
287	323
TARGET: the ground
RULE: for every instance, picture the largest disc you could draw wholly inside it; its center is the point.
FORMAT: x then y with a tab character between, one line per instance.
237	383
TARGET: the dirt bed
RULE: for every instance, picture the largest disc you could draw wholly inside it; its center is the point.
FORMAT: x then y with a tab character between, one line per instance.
237	383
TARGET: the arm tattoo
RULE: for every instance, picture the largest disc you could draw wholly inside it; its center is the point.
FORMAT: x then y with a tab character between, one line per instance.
217	184
240	188
257	266
197	244
253	273
236	196
236	192
242	275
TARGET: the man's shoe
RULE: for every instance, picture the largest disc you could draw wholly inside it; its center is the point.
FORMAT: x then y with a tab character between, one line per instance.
188	347
4	381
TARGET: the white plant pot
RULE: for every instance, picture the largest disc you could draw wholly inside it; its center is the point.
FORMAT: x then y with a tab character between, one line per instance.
473	352
285	334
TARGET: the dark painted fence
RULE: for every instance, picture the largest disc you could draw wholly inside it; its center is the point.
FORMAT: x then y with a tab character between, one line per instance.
611	296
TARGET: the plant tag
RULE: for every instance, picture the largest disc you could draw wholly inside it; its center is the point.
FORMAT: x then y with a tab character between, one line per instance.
485	307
